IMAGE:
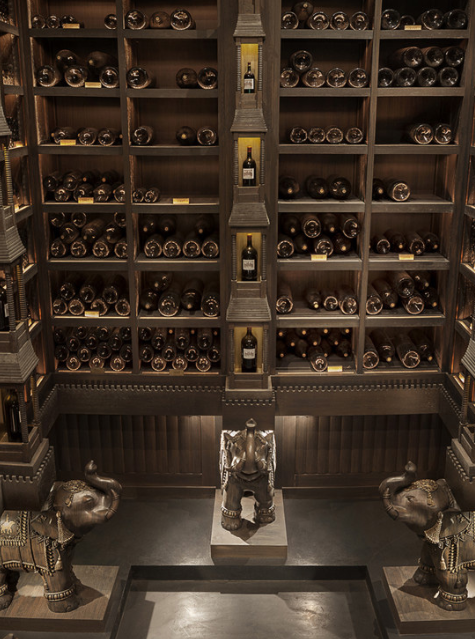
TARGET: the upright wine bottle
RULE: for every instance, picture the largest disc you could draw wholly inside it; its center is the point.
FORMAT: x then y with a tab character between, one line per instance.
249	261
249	352
249	84
249	169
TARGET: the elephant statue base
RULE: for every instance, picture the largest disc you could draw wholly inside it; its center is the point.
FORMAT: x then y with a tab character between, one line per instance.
43	542
429	509
247	466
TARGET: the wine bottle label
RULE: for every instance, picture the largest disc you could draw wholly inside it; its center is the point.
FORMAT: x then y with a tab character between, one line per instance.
181	200
248	174
248	84
248	265
85	200
248	353
93	85
318	257
91	314
67	143
406	256
412	27
71	25
335	369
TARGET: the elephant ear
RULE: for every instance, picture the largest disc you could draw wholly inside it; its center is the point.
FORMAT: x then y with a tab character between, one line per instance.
452	507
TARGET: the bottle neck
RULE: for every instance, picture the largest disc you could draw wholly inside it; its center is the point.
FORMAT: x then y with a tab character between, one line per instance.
249	241
249	153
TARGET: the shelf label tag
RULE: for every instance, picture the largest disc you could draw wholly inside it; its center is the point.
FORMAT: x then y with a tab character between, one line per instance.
67	143
335	369
85	200
412	27
91	314
181	200
406	257
71	25
93	85
318	257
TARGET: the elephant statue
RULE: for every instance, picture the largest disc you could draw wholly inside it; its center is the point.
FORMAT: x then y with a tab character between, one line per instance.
429	509
247	465
44	541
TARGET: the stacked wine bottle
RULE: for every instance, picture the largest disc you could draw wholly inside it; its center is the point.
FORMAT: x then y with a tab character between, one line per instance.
426	67
91	296
79	235
343	299
302	71
325	234
304	15
331	134
39	21
415	242
146	195
414	292
180	20
95	348
410	348
206	78
87	135
84	185
391	188
75	72
179	349
432	19
335	187
315	345
160	238
169	297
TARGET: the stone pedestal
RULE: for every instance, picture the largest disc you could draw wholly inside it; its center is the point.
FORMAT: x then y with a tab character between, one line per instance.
251	543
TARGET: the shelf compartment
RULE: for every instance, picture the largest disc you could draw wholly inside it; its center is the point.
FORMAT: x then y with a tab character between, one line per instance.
18	151
303	317
80	92
293	365
30	272
417	203
323	149
143	263
79	149
326	34
5	27
174	150
325	92
470	211
23	213
424	34
308	205
196	205
335	263
468	271
171	34
184	318
411	92
72	33
463	329
416	149
70	207
397	367
87	264
398	318
172	93
82	320
13	89
391	262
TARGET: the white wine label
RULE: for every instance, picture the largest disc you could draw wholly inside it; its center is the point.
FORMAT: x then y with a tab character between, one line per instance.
181	200
85	200
6	311
67	143
248	174
91	314
406	257
248	265
71	25
412	27
248	84
249	353
335	369
93	85
318	257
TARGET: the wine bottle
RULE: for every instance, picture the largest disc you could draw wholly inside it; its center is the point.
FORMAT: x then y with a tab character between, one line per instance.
385	77
347	300
110	21
192	353
426	77
431	241
249	84
76	76
310	224
249	352
48	76
421	279
402	283
291	338
136	20
249	261
359	21
60	307
210	303
323	245
448	77
158	338
76	307
354	135
91	231
414	305
290	225
397	190
316	187
146	353
334	337
203	363
301	348
342	245
115	340
420	133
390	19
182	338
139	78
422	343
415	243
411	57
405	77
289	188
384	345
406	20
204	338
113	233
443	134
214	353
68	233
313	337
433	56
61	353
109	77
301	61
432	19
58	248
126	353
113	289
313	298
160	281
289	78
153	246
298	135
378	189
169	303
339	21
210	246
370	355
145	334
160	20
380	244
334	135
318	21
63	133
285	302
38	22
249	169
102	193
339	188
90	288
289	20
151	195
67	58
97	60
343	349
303	10
53	22
330	300
79	219
172	246
454	56
314	78
456	19
336	78
206	136
329	222
70	287
192	294
374	303
301	243
181	20
142	136
358	78
406	351
396	240
349	225
317	359
83	190
386	293
187	78
57	219
120	219
208	78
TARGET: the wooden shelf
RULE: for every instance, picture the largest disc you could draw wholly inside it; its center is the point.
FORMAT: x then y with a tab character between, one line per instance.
23	213
296	365
470	211
19	151
110	34
416	149
349	262
468	271
80	92
303	317
325	34
82	320
30	272
35	329
395	367
424	34
87	264
416	204
171	34
12	89
392	262
70	207
173	93
323	149
79	149
143	263
324	92
309	205
184	318
423	92
398	318
174	150
463	329
6	27
196	205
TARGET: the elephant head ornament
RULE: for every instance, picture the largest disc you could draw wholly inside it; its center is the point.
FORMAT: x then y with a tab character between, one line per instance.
429	509
44	541
247	465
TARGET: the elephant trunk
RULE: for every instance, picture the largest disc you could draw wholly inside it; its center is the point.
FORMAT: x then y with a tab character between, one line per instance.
250	464
390	485
109	486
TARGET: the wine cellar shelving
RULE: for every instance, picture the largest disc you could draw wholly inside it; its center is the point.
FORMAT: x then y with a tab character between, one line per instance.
207	180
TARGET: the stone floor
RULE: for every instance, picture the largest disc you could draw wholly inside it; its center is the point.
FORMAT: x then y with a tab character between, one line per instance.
320	532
